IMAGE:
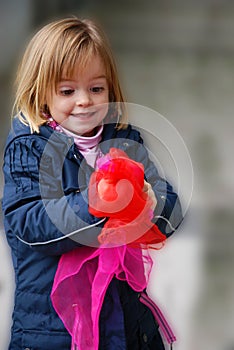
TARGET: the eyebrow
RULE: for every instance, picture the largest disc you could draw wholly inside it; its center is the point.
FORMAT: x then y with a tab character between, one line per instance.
93	78
99	77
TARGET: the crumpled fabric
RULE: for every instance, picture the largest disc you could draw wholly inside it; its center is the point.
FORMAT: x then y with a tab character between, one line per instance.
81	280
83	275
115	191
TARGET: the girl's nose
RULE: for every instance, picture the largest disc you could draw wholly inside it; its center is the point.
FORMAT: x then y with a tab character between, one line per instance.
83	99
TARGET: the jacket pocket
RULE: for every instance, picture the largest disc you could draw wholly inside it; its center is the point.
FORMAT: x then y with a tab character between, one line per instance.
159	318
42	340
148	329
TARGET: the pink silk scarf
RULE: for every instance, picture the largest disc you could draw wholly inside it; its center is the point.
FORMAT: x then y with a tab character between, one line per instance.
80	283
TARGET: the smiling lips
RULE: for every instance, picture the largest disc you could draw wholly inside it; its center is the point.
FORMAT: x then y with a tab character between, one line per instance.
85	115
90	113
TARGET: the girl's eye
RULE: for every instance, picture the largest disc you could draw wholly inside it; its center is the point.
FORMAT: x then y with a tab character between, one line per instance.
97	89
66	92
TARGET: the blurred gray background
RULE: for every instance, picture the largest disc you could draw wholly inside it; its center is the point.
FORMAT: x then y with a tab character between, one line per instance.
176	57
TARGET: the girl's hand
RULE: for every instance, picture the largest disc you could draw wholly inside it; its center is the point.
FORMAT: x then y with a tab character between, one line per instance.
147	189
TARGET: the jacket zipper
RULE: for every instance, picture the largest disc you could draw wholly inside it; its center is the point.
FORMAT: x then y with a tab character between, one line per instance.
159	317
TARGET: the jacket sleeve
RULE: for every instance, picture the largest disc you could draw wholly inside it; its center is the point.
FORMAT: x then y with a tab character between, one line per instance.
168	212
35	208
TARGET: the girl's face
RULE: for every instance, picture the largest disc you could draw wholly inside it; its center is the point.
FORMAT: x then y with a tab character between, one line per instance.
80	103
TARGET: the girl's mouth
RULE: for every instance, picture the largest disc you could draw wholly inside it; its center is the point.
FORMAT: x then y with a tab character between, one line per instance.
85	115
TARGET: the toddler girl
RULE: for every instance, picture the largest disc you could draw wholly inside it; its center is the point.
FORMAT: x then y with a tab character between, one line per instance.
69	113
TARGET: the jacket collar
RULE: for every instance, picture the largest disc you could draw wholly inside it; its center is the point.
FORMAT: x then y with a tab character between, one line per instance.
110	132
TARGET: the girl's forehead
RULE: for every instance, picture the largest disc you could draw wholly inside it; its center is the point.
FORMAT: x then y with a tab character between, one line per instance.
94	67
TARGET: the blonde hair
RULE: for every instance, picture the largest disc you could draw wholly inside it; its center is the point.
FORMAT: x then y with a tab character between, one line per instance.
52	53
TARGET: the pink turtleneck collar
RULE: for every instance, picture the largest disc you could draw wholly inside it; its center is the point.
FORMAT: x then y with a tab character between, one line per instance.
87	145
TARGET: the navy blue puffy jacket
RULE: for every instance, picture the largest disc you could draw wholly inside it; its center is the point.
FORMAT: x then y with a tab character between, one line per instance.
44	204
